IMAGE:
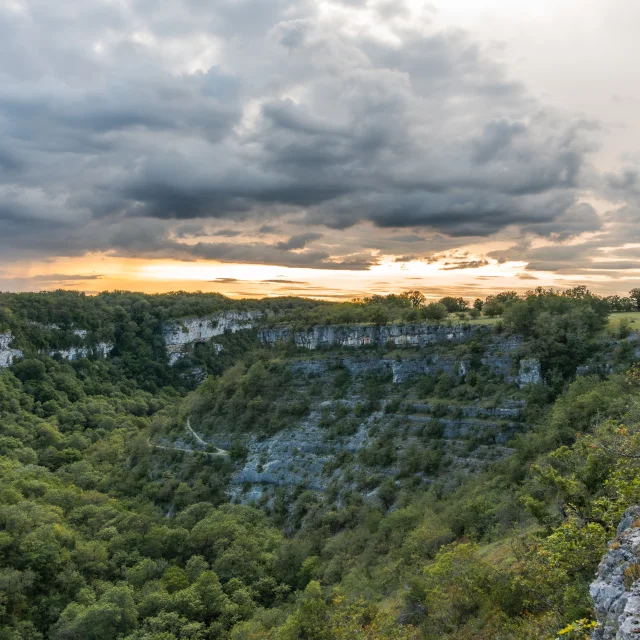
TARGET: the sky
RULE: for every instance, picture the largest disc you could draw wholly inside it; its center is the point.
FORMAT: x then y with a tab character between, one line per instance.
326	148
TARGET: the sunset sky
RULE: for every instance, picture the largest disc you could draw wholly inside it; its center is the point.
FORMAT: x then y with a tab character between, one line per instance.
321	148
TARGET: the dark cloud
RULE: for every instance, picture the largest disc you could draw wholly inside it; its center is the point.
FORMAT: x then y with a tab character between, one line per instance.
409	238
470	264
496	139
299	241
44	281
625	183
127	127
61	276
267	229
189	230
576	220
227	233
589	258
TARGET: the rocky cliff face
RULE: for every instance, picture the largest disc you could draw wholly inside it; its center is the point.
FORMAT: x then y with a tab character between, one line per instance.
306	456
100	350
401	335
311	455
499	361
400	369
616	590
181	336
292	458
499	354
7	354
529	372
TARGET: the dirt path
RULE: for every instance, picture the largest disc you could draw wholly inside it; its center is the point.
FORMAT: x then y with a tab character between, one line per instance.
194	434
218	453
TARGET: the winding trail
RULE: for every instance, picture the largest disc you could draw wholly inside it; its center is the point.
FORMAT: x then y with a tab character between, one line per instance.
195	435
218	453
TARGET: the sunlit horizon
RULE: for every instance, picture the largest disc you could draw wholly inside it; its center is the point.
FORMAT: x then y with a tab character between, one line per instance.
237	280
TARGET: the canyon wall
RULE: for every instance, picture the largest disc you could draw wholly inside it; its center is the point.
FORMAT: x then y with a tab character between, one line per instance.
401	335
182	335
616	590
8	354
499	354
100	350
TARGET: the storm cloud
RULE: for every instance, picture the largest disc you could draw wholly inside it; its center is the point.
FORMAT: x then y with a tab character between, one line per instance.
125	127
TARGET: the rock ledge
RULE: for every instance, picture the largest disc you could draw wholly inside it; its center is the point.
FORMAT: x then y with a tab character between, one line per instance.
616	590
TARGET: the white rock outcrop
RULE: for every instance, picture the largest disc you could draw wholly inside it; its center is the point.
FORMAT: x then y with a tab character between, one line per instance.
616	590
101	350
529	373
182	335
7	354
401	335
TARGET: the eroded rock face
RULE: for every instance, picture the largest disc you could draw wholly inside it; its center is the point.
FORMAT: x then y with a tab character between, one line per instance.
616	590
302	456
292	458
7	354
181	336
101	350
529	372
499	355
414	335
403	369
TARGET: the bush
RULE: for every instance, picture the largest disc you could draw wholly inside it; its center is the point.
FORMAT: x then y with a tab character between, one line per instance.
435	311
493	308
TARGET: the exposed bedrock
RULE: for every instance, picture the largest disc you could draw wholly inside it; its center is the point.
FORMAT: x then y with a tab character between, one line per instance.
182	335
616	590
8	354
403	369
416	335
302	456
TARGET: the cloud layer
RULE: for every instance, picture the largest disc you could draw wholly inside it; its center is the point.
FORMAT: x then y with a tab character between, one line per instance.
260	130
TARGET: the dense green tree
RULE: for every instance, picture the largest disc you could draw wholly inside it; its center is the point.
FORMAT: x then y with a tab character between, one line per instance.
453	304
105	534
435	311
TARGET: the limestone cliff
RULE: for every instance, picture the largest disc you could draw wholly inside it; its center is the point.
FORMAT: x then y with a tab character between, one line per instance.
467	436
616	590
7	354
181	336
100	350
499	356
529	372
413	335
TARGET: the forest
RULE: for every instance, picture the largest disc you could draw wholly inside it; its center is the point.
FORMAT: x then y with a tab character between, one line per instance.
106	535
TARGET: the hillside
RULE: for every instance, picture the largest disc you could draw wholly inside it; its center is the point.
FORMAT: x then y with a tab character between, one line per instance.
189	466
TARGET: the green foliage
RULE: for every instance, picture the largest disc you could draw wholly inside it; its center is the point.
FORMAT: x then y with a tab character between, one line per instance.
103	534
435	311
560	327
453	305
493	308
250	396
